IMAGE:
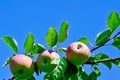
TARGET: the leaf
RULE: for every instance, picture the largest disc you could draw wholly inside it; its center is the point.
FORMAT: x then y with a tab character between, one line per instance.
32	78
29	43
97	71
7	61
51	37
116	62
93	76
55	61
102	37
37	48
84	40
11	42
116	42
58	73
113	20
70	70
63	34
85	76
102	56
73	77
82	74
62	50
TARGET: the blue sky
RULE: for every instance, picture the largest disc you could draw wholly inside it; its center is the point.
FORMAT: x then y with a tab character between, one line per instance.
86	18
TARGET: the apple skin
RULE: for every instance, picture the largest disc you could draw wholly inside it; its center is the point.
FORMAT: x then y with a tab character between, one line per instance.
78	53
22	66
44	61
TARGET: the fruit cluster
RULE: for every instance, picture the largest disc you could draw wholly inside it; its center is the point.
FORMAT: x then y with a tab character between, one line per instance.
22	66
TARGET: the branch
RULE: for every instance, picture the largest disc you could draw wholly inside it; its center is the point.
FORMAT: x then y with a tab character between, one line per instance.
11	78
104	42
105	60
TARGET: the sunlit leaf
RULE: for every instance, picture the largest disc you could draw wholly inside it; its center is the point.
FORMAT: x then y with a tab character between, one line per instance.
51	37
11	42
102	37
63	31
37	48
116	42
97	71
7	61
116	62
48	77
29	43
82	74
84	40
113	20
62	50
59	71
102	56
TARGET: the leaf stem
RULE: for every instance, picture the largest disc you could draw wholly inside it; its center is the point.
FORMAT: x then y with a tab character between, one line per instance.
57	46
93	49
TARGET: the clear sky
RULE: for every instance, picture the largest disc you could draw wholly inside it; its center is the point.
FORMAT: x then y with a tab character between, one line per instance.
86	18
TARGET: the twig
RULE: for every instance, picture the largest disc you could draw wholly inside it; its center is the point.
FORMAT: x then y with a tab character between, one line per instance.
105	60
104	42
11	78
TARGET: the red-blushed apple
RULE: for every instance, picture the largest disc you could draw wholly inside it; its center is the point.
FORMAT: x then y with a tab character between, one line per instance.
78	53
44	61
22	66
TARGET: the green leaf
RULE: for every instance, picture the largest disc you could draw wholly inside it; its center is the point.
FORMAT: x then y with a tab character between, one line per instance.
7	61
116	42
82	74
32	78
37	48
102	56
102	37
116	62
48	77
62	50
93	76
73	77
70	70
29	43
63	34
55	61
51	37
113	20
97	71
84	40
59	72
11	42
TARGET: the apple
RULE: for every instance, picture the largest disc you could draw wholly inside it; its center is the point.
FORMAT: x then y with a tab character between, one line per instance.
45	61
78	53
22	66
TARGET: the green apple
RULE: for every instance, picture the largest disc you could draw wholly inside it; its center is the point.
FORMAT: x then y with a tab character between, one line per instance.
22	66
45	61
78	53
